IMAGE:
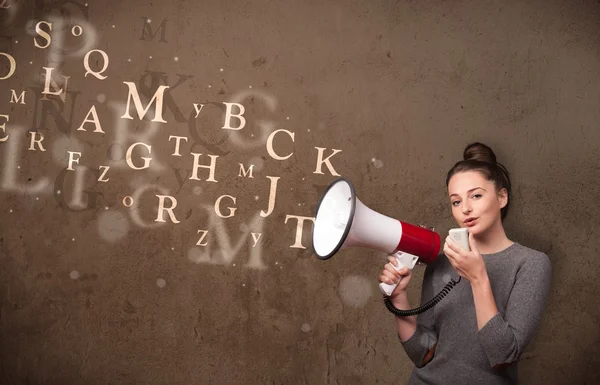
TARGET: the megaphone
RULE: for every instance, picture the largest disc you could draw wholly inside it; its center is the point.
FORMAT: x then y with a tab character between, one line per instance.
343	221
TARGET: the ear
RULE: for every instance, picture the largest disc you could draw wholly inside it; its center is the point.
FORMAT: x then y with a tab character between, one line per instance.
503	197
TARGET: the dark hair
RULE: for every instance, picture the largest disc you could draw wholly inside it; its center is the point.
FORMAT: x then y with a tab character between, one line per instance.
479	157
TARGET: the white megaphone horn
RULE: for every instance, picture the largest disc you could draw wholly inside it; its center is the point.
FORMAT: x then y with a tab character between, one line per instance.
343	221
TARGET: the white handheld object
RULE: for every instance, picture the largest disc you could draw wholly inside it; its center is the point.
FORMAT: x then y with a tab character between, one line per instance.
461	237
404	260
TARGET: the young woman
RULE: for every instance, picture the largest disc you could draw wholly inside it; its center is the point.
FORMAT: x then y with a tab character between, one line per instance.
477	333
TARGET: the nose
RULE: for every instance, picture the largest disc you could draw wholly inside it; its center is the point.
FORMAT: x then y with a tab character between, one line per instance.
466	207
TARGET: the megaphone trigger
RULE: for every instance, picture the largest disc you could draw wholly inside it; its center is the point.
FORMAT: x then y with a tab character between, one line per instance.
403	260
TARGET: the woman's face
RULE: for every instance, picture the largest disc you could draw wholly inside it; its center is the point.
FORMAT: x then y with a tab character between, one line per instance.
475	203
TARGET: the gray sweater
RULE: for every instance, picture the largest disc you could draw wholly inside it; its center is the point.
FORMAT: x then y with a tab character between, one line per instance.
520	280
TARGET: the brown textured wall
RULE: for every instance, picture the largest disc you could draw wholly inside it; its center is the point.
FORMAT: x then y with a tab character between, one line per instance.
94	292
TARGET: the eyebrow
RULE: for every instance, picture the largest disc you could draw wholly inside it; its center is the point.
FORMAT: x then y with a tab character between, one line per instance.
470	190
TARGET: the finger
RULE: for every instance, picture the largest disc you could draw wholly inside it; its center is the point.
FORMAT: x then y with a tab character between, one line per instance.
446	246
391	275
451	254
391	269
401	271
453	248
451	244
404	272
385	279
473	244
454	259
392	279
393	260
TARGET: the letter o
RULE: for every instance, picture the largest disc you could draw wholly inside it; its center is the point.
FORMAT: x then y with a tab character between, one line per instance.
75	28
13	65
130	200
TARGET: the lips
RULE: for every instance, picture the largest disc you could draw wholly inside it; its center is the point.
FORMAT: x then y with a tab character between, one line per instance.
470	221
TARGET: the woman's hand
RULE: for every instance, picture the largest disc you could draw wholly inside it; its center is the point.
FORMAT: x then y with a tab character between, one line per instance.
391	276
468	264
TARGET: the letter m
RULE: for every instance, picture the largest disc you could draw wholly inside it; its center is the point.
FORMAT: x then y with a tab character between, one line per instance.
19	99
244	172
158	98
147	30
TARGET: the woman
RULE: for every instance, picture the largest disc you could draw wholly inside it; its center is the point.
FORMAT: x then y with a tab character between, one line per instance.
477	333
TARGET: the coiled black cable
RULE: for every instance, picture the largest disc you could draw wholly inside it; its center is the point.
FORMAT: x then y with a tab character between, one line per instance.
421	309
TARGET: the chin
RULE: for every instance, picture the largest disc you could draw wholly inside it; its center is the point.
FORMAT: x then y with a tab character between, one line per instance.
475	230
478	230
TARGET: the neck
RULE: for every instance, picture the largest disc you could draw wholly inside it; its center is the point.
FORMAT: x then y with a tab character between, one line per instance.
493	240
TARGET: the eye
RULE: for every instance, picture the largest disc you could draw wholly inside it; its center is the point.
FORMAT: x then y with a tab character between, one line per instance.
453	203
476	195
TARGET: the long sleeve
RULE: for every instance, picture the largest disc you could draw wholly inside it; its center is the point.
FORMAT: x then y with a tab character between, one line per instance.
425	336
505	336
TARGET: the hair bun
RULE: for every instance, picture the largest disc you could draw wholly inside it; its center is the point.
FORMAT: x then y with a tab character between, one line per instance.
479	152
